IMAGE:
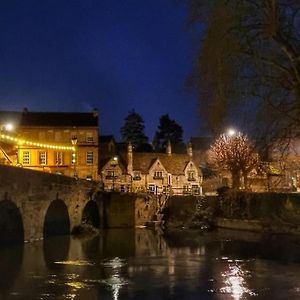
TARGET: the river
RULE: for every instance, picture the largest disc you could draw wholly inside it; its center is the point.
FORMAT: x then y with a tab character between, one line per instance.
142	264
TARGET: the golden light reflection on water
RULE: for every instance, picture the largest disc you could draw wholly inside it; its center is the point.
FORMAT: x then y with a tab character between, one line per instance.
235	281
75	263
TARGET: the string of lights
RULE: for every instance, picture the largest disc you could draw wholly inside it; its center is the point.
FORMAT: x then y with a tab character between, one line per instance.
20	142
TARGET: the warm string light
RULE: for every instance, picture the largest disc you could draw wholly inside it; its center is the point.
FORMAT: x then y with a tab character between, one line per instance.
40	145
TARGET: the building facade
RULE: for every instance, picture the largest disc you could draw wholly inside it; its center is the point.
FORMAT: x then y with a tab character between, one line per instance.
152	172
63	143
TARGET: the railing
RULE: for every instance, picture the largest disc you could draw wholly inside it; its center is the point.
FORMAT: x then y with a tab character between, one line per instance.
111	177
158	177
158	190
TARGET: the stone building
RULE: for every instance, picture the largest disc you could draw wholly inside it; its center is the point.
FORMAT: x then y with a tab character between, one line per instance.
55	142
153	172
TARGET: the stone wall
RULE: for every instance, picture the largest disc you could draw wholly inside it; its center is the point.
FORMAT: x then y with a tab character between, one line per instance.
128	210
276	212
30	194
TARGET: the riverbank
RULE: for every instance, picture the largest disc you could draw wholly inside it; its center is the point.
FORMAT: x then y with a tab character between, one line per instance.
259	212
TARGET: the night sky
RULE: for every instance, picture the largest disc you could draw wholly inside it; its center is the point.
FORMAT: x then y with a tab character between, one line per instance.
114	55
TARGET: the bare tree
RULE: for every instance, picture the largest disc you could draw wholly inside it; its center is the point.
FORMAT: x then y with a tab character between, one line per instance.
236	155
249	57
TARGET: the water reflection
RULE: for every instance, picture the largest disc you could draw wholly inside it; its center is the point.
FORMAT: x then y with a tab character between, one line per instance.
56	249
142	264
10	264
114	280
234	280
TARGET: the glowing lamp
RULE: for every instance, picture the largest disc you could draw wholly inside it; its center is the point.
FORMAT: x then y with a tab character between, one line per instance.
231	132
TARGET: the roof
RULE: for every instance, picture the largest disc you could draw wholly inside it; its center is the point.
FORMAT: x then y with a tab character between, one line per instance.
106	138
49	119
174	164
122	164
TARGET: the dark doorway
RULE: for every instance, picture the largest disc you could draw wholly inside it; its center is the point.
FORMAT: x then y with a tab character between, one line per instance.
57	220
91	215
11	223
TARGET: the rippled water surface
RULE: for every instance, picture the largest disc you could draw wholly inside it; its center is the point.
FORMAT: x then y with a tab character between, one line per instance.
142	264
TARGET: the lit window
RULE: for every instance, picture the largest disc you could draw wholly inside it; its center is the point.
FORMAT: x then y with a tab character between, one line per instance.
58	156
42	158
26	158
89	157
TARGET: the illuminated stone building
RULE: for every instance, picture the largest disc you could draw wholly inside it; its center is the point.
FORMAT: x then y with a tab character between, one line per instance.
55	142
153	172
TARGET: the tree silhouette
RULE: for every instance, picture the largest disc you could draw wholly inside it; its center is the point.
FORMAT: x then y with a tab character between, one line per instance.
168	130
249	58
133	130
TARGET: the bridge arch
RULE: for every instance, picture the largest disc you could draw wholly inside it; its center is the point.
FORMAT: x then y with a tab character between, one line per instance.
11	223
57	220
91	214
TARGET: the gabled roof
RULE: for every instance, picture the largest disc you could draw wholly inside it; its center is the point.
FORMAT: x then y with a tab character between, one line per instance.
122	164
49	119
174	164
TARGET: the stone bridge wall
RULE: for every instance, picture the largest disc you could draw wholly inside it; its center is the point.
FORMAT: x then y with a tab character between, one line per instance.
32	192
27	197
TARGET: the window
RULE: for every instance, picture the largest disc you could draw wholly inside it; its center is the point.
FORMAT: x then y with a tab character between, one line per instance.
195	189
57	136
42	158
111	175
191	176
26	158
123	188
158	175
89	157
42	135
152	188
89	139
136	175
58	157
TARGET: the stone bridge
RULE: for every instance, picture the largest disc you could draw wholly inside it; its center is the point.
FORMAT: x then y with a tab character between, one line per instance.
34	205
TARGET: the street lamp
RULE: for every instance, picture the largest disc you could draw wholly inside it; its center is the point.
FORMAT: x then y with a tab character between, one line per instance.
114	163
8	127
231	132
74	143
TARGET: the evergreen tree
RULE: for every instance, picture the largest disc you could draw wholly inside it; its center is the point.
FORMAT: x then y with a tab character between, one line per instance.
133	130
168	130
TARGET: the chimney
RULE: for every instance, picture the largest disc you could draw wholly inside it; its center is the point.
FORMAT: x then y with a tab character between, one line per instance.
130	159
189	149
169	148
95	112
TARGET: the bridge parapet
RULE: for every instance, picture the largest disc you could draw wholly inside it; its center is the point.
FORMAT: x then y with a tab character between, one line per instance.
28	194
